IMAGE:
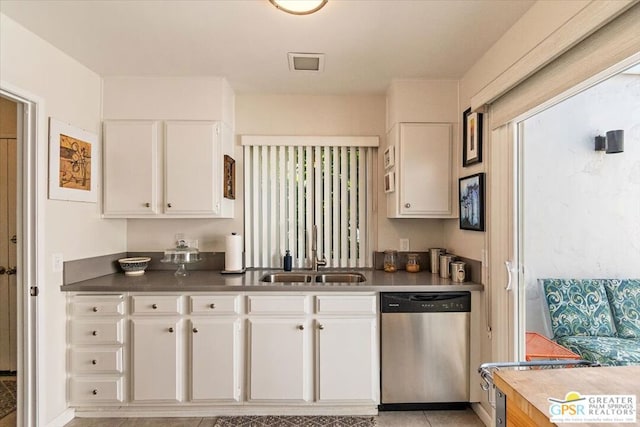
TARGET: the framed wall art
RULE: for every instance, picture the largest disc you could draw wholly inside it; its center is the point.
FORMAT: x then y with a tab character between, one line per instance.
471	138
389	182
229	178
471	199
389	157
73	163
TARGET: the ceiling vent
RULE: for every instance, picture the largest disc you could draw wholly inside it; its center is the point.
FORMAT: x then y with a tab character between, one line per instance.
306	62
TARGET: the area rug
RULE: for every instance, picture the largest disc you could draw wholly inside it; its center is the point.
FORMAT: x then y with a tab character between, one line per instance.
7	397
295	421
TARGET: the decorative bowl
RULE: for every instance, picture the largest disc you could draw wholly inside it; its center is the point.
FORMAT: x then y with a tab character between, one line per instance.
134	266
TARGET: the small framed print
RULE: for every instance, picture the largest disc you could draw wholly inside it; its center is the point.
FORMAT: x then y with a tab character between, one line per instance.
471	199
389	157
229	178
389	182
471	138
73	163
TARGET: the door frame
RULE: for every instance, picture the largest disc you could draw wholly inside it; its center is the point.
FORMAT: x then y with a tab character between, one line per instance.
29	249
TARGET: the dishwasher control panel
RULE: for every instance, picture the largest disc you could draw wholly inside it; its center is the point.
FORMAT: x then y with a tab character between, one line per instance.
425	302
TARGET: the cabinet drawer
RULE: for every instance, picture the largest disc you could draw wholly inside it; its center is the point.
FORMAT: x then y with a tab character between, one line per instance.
98	390
165	304
96	332
97	305
349	304
102	361
292	304
214	304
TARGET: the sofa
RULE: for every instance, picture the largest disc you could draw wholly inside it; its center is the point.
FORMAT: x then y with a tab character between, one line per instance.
598	319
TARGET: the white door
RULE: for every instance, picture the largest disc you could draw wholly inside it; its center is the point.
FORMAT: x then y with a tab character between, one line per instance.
278	359
192	176
155	360
130	167
215	359
347	360
425	169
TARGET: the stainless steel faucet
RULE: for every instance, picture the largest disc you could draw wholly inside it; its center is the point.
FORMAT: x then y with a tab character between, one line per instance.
315	262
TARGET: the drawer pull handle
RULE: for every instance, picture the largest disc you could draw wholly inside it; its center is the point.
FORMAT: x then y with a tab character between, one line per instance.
212	306
94	333
301	327
170	330
195	330
168	205
321	327
407	205
147	205
94	392
94	362
154	306
94	309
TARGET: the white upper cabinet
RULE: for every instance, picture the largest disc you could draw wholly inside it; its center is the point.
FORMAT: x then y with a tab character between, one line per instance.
165	169
422	171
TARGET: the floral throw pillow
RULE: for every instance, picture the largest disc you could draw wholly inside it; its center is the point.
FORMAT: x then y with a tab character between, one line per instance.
578	307
624	298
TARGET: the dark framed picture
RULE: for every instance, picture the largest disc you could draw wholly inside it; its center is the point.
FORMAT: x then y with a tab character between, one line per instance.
471	138
471	198
229	178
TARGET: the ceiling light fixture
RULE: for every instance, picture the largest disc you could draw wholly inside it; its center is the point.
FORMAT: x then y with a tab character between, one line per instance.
299	7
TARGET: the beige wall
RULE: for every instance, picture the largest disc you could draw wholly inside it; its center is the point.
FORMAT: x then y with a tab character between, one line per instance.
71	93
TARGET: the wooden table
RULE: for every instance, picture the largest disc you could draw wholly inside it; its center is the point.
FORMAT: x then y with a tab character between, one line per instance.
527	391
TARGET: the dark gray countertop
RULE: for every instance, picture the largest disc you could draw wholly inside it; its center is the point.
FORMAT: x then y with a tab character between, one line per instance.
214	281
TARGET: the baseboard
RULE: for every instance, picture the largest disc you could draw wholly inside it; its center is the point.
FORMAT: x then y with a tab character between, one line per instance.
63	418
482	414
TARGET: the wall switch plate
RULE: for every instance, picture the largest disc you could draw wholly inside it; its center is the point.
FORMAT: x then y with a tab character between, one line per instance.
404	245
56	263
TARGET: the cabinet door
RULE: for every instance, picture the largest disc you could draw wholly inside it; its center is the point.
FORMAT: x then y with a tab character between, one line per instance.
193	168
130	167
215	359
155	360
278	365
347	367
425	169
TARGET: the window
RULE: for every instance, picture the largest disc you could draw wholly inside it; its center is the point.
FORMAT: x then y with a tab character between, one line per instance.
292	183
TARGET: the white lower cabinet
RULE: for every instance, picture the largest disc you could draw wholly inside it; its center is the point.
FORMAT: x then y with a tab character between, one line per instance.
279	359
214	359
155	360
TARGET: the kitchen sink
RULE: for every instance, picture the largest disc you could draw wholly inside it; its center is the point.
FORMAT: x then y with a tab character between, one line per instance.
340	278
328	277
287	278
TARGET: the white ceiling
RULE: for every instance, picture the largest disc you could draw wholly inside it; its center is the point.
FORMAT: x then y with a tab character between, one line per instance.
366	42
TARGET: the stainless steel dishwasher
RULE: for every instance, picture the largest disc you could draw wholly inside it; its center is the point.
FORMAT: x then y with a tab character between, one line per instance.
424	349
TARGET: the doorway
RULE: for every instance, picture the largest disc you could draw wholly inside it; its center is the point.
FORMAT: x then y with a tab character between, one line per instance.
8	257
577	206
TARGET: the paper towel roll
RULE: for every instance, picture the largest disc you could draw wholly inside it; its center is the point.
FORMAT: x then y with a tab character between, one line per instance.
233	252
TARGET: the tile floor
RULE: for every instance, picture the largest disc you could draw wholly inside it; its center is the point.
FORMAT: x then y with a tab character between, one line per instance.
466	418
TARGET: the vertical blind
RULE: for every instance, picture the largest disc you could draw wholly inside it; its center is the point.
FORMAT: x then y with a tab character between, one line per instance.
290	188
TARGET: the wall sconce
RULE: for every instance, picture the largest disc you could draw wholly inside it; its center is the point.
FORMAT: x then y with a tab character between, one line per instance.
613	143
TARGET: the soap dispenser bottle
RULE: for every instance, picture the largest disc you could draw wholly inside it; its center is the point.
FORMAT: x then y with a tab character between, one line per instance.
288	261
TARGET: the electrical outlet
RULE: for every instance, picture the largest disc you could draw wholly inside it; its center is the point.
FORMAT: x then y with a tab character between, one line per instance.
56	263
404	245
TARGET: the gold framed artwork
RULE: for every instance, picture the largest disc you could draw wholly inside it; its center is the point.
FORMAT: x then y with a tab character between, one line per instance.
229	178
471	138
73	163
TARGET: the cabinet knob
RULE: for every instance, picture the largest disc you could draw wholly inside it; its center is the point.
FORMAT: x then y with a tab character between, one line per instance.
147	205
11	271
154	306
195	330
94	392
301	327
168	205
2	270
94	333
94	362
94	309
321	327
212	306
407	205
170	330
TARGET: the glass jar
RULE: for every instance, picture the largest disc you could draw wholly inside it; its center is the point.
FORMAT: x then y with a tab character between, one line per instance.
390	261
413	265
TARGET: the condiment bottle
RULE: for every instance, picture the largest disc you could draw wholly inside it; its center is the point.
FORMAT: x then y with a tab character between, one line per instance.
413	265
390	261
